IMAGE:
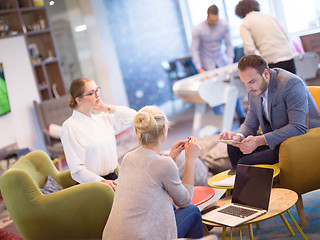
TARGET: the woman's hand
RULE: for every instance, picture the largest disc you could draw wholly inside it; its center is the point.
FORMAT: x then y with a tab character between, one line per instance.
192	149
102	107
176	149
111	183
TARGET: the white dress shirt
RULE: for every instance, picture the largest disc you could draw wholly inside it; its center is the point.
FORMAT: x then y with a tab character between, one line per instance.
265	105
89	143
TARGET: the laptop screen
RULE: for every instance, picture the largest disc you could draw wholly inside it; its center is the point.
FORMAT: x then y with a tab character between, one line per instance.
253	186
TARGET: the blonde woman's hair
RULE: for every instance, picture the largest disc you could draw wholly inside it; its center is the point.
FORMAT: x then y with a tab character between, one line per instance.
148	123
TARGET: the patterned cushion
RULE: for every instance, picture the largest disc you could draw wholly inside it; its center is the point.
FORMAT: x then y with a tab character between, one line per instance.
51	186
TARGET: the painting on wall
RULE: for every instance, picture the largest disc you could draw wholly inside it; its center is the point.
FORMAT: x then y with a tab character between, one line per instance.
4	99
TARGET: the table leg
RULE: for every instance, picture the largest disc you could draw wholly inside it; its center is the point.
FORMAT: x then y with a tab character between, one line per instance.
257	225
287	224
297	225
230	233
224	232
240	233
228	192
199	111
250	232
205	230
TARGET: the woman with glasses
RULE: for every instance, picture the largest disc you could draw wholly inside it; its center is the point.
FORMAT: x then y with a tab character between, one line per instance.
142	208
89	139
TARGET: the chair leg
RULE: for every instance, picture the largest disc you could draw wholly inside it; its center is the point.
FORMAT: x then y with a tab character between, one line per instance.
300	210
59	161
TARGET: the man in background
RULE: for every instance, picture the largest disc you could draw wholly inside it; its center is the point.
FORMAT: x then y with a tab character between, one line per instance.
263	35
207	51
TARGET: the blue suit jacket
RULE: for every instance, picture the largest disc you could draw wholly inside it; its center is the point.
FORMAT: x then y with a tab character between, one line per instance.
289	101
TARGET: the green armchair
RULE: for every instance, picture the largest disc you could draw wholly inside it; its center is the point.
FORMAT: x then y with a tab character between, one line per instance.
79	211
299	162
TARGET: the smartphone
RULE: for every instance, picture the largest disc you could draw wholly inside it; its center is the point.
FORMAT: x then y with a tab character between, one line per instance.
229	141
209	208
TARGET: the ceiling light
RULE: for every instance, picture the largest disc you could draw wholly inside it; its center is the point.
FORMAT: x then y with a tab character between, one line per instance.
80	28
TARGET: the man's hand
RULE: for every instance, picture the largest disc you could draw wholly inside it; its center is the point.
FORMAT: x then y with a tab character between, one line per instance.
226	135
250	143
200	70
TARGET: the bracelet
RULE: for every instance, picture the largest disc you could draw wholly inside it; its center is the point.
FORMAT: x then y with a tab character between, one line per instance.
109	109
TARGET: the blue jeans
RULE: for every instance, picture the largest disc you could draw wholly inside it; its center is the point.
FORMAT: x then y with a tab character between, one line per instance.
189	222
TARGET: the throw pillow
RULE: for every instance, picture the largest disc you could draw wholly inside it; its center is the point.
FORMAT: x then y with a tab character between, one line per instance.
51	186
214	154
54	130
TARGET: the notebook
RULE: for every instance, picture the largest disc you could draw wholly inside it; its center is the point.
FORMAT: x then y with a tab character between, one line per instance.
250	198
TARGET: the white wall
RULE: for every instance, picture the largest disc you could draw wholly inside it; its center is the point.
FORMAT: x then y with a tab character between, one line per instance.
20	125
104	56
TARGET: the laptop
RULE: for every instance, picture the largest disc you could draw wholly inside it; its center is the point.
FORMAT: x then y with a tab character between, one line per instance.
250	198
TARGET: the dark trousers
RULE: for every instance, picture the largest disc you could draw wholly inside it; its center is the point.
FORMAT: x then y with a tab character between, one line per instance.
111	176
286	65
262	155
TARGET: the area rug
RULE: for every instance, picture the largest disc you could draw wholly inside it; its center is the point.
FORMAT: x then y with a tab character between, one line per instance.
274	228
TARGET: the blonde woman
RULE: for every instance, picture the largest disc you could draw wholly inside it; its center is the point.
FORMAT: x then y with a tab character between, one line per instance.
89	139
142	208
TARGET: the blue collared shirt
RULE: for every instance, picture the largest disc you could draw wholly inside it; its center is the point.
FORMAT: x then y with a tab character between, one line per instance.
208	51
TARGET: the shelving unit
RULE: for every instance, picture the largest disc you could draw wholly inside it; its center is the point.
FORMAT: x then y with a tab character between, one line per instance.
22	17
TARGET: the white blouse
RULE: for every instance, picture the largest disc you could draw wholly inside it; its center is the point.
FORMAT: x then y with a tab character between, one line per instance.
89	143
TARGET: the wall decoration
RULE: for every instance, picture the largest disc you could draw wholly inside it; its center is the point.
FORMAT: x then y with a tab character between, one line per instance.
146	33
4	99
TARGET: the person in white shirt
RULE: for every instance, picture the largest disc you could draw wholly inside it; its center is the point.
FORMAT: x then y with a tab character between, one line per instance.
89	139
142	208
263	35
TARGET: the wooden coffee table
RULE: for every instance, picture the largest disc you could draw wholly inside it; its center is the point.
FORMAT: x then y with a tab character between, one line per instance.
281	200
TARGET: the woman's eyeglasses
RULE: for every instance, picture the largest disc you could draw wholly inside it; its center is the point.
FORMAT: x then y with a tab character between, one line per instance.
93	92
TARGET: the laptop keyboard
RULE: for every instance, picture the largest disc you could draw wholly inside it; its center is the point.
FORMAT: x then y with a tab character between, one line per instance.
237	211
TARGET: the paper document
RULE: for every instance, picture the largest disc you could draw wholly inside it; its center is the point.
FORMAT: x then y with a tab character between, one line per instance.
228	182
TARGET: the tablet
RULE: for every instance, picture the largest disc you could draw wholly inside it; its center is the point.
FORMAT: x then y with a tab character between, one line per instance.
228	141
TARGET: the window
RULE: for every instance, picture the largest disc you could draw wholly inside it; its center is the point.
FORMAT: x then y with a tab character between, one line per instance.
301	15
295	16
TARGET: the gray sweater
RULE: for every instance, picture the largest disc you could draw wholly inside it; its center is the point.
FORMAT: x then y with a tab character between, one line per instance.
142	208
